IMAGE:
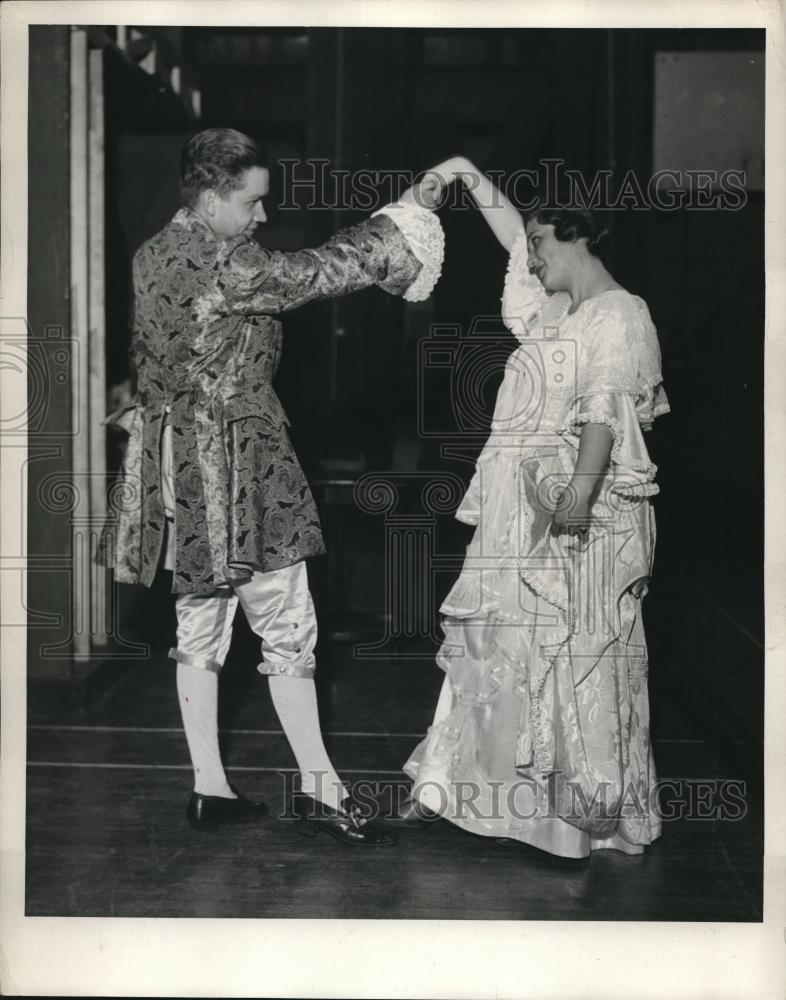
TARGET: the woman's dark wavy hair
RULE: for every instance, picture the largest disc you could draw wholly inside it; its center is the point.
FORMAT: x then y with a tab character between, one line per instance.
574	223
217	160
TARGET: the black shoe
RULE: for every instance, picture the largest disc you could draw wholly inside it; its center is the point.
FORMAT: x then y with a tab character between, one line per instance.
347	827
410	815
208	812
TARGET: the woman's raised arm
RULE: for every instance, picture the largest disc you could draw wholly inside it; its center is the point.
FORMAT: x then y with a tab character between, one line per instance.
501	215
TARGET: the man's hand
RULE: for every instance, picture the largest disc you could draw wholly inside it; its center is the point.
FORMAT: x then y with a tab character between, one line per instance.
427	193
430	190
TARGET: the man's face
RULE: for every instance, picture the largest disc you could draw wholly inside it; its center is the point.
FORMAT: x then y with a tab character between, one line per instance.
242	209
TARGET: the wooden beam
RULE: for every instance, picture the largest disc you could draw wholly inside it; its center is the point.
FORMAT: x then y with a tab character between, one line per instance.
80	399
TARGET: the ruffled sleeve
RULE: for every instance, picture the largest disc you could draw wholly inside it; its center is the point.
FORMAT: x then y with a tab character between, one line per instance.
526	304
634	472
620	385
423	232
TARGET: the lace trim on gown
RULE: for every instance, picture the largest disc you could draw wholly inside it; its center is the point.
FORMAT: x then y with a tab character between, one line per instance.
549	659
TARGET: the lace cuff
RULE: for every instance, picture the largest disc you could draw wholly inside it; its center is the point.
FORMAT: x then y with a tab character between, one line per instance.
423	232
651	401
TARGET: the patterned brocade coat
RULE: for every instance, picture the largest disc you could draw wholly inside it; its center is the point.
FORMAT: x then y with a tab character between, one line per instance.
206	347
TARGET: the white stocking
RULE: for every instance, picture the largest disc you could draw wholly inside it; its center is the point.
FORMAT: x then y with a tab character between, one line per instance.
295	701
197	691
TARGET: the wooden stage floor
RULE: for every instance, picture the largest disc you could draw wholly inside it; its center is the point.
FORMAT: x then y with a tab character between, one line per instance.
107	835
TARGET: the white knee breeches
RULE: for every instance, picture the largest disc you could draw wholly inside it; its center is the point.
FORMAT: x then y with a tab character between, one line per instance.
279	609
277	604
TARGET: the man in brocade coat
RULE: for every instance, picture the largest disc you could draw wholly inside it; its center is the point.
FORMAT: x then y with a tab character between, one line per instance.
210	484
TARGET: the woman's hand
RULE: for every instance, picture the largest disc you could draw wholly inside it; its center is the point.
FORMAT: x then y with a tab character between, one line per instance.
502	217
572	516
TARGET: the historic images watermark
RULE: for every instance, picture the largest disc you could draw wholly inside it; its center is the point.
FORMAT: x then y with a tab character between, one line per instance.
525	798
314	185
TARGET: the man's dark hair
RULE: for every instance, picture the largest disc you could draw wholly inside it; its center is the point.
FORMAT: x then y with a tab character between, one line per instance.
217	159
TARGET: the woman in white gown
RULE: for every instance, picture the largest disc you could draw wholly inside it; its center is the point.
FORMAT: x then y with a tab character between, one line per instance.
541	732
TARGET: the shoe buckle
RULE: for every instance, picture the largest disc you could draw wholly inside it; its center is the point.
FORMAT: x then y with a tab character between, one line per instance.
356	817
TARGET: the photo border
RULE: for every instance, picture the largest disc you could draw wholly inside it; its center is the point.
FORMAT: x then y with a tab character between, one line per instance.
180	957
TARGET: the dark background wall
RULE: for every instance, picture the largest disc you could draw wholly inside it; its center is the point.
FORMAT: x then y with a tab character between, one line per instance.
403	99
406	98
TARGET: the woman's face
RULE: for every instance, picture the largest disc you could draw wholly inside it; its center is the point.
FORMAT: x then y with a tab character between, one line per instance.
552	260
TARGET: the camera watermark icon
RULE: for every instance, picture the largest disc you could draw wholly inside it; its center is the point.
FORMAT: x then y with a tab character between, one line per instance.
36	370
464	367
513	496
